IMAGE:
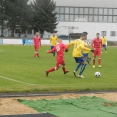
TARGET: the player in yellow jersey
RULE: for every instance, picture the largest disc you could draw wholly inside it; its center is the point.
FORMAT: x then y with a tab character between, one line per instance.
77	54
104	44
53	41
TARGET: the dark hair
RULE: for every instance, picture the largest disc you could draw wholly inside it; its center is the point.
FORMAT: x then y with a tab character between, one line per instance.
97	33
83	34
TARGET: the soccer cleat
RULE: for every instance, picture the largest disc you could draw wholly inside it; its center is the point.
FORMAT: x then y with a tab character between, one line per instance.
47	73
66	72
80	76
74	72
93	66
100	66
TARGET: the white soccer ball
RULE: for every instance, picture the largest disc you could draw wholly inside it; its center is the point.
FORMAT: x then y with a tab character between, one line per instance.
97	74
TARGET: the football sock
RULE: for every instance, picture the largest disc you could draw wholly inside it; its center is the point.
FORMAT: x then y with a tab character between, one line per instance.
35	54
99	61
53	53
51	70
88	59
78	67
105	49
63	69
93	61
82	69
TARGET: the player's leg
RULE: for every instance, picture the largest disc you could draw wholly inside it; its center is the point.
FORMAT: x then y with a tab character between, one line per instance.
63	68
53	54
35	54
99	58
37	48
105	48
77	67
53	68
83	66
86	58
94	58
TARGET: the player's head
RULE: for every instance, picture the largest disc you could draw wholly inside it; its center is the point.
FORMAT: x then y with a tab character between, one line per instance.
97	35
103	35
53	33
83	36
37	33
59	40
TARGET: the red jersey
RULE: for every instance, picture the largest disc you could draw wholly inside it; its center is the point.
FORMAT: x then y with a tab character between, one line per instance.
37	41
96	43
59	48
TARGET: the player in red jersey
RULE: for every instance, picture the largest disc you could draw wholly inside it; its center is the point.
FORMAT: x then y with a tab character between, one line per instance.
97	45
59	49
37	44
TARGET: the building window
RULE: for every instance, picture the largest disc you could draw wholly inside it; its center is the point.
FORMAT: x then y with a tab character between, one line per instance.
57	9
57	16
61	18
112	33
105	11
86	19
81	10
115	12
95	18
100	11
100	18
90	18
71	18
66	10
66	17
62	10
105	19
115	19
109	18
86	11
110	12
90	10
96	11
103	33
76	10
71	10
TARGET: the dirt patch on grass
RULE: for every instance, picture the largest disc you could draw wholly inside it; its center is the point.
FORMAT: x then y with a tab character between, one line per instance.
10	106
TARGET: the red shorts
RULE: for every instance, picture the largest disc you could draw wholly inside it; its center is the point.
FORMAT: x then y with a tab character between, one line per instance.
36	47
59	63
97	53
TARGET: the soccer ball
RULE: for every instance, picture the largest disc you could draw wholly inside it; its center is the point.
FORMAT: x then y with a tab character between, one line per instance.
97	74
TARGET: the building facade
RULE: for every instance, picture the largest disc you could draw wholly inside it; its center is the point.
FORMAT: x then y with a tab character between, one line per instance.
92	16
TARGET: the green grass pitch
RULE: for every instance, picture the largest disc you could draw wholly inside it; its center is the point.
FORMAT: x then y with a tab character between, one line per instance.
18	68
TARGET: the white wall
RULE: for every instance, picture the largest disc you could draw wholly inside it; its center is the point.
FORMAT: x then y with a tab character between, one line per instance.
91	28
87	3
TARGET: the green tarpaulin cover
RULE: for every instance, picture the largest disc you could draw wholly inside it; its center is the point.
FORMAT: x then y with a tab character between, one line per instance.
75	107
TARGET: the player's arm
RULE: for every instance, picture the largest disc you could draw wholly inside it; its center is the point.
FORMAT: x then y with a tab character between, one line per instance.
40	41
92	44
71	43
65	47
51	51
84	47
50	40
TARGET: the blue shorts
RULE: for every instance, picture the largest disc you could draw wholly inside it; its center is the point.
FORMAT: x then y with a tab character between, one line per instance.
85	54
104	45
79	60
52	47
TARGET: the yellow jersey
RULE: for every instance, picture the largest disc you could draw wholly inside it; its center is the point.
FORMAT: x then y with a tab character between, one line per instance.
84	50
104	40
79	45
53	40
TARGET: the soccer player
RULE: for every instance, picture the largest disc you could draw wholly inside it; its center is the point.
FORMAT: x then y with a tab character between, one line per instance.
104	43
37	44
79	45
97	45
59	49
53	41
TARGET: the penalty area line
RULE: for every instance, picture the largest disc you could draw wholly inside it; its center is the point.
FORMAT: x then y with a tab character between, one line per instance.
16	80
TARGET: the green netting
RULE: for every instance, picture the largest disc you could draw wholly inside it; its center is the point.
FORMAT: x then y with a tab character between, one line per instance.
75	107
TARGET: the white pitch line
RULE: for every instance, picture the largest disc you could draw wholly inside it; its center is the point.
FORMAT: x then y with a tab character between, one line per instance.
16	80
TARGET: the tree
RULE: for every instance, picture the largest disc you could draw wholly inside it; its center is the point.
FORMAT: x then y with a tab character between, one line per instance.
44	16
3	16
17	11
